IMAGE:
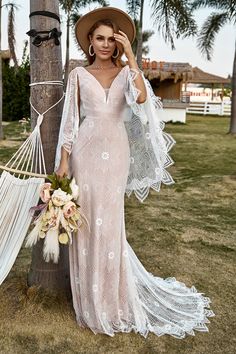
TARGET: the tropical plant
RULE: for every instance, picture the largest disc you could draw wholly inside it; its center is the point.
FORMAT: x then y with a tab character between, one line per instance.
146	35
11	43
225	14
172	18
71	9
15	81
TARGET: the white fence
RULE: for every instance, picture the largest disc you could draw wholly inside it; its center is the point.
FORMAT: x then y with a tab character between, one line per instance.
217	108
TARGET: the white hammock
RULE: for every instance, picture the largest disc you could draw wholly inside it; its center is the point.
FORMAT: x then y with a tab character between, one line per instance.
19	193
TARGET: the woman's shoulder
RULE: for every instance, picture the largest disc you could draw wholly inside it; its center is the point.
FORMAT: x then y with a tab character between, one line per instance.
75	74
76	69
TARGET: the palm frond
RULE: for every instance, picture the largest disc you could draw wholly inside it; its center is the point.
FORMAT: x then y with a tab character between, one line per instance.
197	4
147	34
145	50
223	5
83	3
74	5
10	4
173	19
75	16
209	30
67	5
133	8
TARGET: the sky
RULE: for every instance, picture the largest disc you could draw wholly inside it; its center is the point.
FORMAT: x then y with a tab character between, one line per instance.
186	50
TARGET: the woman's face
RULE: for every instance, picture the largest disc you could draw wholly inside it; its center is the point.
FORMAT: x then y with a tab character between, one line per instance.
103	42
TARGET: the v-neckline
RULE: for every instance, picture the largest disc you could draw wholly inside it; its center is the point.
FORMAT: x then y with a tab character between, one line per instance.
104	88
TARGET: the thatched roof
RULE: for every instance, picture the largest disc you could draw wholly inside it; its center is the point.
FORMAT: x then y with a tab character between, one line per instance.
170	70
155	70
167	70
201	77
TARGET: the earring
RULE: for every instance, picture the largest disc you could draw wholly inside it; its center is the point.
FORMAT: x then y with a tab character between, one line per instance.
91	54
118	52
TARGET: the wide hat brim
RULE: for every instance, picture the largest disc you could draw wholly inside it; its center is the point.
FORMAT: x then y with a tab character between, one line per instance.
119	17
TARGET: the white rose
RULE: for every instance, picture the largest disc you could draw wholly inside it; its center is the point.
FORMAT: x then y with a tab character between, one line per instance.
74	188
60	197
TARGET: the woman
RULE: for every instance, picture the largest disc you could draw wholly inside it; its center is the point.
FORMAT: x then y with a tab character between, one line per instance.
112	142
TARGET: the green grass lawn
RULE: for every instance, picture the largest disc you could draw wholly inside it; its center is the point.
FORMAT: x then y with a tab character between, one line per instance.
186	231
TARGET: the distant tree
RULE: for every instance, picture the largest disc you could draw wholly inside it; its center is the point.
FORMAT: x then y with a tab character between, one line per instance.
11	42
11	31
16	89
146	35
225	13
172	18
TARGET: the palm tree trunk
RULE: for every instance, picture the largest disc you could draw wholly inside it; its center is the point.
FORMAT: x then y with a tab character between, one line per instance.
45	65
11	34
140	37
67	49
232	129
1	128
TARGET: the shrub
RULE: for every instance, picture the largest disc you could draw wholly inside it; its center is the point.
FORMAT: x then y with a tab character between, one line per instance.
16	91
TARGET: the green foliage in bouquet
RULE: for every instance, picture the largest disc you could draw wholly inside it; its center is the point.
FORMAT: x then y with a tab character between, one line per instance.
63	183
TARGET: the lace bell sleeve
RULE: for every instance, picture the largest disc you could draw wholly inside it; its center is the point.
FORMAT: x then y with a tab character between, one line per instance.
70	118
149	144
132	93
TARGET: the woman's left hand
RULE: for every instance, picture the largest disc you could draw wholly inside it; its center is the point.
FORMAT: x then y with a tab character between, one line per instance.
124	40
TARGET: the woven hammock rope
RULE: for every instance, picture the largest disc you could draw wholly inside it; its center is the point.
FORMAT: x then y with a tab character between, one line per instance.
18	193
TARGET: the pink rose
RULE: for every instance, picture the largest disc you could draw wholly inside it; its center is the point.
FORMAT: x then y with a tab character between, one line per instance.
69	209
45	192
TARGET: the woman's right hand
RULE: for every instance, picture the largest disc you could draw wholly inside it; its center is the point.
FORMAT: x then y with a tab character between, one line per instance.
62	170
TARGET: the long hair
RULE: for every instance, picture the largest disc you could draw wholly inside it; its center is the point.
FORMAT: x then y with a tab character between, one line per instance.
117	61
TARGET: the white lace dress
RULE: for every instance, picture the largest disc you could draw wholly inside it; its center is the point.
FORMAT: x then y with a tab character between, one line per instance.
112	291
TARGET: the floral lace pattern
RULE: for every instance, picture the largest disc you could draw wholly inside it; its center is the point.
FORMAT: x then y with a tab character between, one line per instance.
119	147
150	145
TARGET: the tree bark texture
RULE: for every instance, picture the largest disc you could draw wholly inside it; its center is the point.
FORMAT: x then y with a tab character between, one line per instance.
1	84
140	37
67	50
45	65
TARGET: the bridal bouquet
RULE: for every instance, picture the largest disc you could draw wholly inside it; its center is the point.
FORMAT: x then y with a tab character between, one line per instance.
59	216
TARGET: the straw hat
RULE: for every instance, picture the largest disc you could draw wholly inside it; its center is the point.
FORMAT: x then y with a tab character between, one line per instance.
119	17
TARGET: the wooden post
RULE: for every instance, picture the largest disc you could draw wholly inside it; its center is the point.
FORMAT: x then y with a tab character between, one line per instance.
45	65
232	128
222	105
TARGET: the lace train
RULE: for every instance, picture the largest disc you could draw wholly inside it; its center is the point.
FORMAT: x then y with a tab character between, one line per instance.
170	306
161	306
